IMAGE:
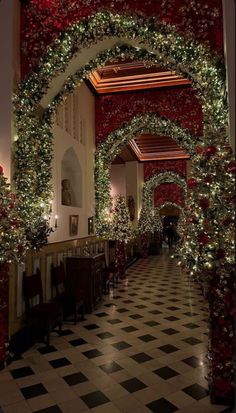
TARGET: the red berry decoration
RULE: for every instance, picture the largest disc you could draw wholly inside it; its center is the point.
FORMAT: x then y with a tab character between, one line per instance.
211	150
203	238
220	253
1	170
208	180
204	203
231	167
198	149
192	183
228	221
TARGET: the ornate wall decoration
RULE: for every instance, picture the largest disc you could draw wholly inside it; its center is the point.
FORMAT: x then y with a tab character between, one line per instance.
168	192
178	166
44	20
154	181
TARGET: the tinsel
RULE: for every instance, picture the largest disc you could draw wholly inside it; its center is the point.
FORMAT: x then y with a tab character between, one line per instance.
154	181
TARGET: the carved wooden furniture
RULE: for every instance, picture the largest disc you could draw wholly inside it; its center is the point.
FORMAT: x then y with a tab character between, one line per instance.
71	300
86	273
41	317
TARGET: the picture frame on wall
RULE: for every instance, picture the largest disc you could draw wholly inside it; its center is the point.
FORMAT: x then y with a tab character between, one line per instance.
91	226
74	224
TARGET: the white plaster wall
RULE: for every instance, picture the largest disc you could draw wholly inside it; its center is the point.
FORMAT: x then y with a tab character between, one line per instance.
133	184
118	180
85	154
9	77
140	187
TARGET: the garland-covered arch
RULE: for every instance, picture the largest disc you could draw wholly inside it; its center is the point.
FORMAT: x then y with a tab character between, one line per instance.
110	148
172	205
164	177
33	149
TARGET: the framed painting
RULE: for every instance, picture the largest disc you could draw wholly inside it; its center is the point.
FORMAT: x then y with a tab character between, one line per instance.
74	223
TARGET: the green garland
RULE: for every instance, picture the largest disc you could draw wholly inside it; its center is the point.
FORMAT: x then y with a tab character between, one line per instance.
33	148
110	148
164	177
172	205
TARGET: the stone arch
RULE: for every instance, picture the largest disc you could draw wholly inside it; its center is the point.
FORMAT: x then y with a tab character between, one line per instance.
164	177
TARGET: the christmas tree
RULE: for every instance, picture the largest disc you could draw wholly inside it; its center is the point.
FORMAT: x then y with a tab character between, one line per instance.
12	248
12	236
121	225
157	223
121	233
145	223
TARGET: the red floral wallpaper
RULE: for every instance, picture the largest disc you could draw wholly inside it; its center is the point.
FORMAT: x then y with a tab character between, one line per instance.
179	104
152	168
168	193
43	20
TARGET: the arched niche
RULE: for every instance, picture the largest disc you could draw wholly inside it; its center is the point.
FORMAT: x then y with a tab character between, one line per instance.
71	170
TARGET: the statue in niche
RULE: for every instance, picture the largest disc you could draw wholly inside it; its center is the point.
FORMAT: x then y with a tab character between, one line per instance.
65	192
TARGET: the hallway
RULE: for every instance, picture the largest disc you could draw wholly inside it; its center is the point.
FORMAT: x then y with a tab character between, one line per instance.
143	350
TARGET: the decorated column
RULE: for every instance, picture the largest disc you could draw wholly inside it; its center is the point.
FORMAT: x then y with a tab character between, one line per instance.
12	247
208	252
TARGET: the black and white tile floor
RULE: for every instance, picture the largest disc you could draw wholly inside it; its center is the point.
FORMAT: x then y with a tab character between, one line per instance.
143	350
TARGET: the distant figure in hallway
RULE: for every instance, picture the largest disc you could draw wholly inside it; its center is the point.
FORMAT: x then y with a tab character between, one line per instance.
65	192
170	232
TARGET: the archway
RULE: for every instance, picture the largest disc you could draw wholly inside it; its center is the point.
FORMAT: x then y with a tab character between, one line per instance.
109	149
33	148
166	46
154	181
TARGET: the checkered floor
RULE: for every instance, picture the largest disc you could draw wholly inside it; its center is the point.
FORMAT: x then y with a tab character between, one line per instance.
143	350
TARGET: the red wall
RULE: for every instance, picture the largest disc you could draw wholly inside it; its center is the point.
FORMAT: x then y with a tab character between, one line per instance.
43	20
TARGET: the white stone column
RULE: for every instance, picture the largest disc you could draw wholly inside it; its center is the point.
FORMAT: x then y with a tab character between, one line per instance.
229	50
134	183
9	76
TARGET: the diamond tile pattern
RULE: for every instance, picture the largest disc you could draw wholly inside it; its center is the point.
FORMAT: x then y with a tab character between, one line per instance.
144	354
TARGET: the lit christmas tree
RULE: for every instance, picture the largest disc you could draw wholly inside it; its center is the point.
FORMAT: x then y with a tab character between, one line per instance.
208	252
121	232
12	236
12	248
145	222
145	228
157	223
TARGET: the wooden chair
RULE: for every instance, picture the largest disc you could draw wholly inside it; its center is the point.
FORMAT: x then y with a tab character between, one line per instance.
110	277
41	317
71	299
